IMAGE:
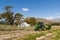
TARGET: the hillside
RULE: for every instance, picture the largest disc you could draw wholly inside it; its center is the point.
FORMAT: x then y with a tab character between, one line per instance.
46	21
56	19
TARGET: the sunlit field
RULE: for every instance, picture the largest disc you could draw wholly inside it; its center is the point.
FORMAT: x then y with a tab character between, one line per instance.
29	19
27	33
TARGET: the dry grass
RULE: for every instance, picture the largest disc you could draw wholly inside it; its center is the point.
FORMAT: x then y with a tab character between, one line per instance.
29	36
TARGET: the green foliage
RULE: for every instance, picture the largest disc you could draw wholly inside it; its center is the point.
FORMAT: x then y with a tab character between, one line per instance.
8	8
8	14
18	16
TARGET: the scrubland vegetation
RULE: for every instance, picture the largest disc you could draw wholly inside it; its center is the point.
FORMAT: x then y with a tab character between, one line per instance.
8	27
32	36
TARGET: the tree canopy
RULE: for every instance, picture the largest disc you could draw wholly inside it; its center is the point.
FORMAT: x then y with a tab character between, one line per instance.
8	14
31	21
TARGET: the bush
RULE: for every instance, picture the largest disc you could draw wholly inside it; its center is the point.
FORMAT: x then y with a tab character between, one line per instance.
56	23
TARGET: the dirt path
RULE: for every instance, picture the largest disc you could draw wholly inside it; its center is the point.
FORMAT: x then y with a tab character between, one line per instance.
14	35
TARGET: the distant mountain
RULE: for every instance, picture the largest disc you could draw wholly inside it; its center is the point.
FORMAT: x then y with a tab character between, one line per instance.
56	19
46	21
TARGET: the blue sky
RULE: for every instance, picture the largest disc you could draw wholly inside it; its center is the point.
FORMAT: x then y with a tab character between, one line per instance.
34	8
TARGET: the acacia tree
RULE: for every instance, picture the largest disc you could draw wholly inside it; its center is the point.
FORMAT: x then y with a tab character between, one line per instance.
18	18
8	14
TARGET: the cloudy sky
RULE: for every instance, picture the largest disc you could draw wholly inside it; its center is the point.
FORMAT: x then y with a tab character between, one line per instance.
35	8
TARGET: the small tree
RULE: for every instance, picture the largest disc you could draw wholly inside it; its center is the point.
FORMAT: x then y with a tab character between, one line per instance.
8	14
31	21
18	17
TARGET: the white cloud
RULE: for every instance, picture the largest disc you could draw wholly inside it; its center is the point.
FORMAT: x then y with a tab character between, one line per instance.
25	9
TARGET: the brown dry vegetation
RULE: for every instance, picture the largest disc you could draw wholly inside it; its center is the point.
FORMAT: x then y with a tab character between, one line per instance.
25	34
